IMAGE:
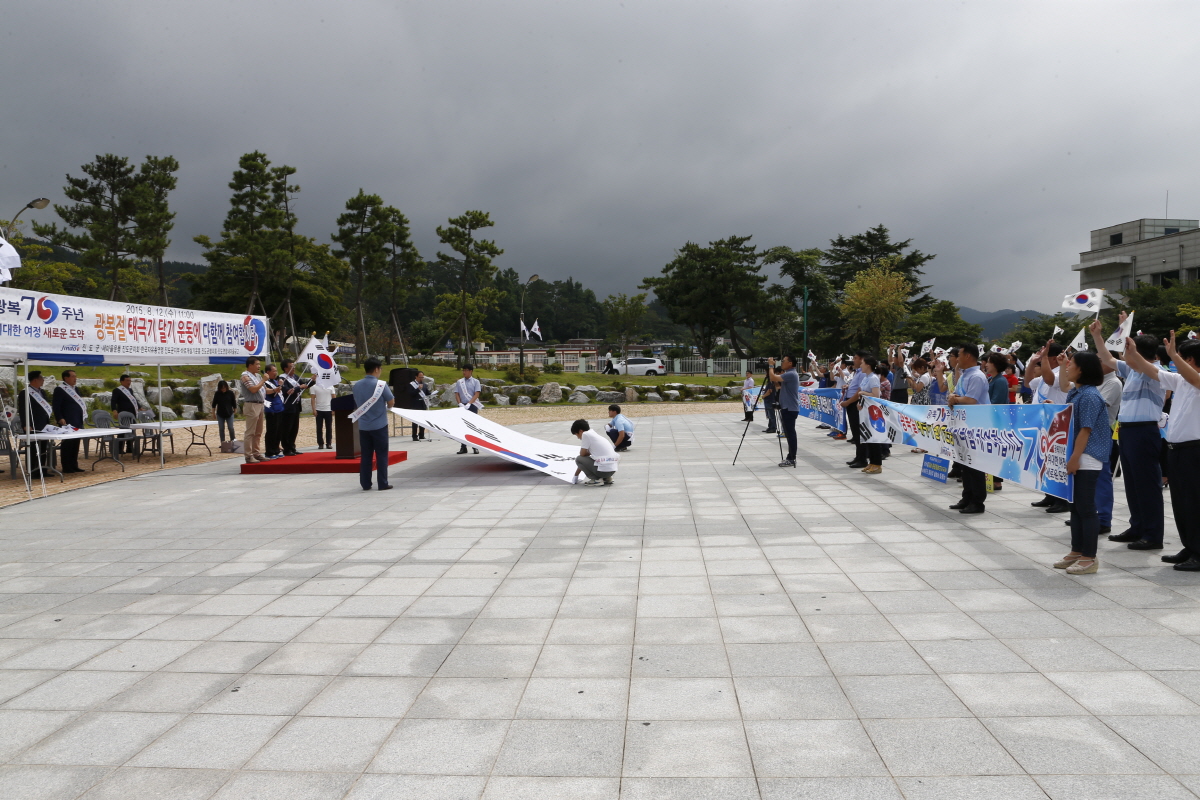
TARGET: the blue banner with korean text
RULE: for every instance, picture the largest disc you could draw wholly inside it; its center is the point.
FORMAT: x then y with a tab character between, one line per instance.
1026	444
823	405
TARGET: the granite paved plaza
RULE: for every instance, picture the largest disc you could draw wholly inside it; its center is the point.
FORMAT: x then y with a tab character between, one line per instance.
697	630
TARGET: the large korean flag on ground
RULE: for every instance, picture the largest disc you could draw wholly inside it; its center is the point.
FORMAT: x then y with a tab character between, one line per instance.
491	437
320	363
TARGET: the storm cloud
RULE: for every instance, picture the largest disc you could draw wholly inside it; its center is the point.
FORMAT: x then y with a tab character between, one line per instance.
601	136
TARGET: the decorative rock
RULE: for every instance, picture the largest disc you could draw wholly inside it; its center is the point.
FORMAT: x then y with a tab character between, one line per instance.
448	397
167	414
208	388
550	393
670	394
189	412
501	400
492	382
631	395
8	376
653	397
524	400
138	387
91	383
587	389
610	397
579	397
101	400
152	394
188	395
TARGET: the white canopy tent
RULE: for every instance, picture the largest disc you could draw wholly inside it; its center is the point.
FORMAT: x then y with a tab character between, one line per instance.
58	330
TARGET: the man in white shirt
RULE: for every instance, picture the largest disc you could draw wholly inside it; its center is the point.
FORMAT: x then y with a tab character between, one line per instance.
597	459
466	392
320	399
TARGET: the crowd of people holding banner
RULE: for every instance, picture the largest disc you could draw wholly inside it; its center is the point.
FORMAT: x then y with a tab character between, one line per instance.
1132	401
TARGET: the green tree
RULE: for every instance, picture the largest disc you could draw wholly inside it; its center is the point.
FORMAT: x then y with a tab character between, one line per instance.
713	289
802	269
847	256
403	271
625	315
475	266
106	206
153	217
41	271
940	320
873	304
364	232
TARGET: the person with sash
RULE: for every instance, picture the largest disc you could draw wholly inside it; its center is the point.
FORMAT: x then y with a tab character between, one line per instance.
32	402
374	398
291	390
69	409
970	389
272	412
252	387
124	400
418	400
466	391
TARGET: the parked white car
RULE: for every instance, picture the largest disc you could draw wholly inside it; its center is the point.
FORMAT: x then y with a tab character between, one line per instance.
640	366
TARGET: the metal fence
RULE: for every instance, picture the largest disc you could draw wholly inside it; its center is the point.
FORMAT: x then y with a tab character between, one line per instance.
712	366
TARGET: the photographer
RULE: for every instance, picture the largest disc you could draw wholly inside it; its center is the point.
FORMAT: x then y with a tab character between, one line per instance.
787	386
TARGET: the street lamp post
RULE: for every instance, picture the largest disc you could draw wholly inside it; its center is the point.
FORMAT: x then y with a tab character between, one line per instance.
532	278
39	203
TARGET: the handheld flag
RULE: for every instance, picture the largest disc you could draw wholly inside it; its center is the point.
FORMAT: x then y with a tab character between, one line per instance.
1117	340
535	330
1085	301
1057	331
1014	347
925	348
1193	335
1079	343
9	260
320	362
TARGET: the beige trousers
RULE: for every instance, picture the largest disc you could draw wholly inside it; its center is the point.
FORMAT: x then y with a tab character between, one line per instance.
252	441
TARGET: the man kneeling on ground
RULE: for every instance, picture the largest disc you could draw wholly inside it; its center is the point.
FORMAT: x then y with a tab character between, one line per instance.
597	459
619	429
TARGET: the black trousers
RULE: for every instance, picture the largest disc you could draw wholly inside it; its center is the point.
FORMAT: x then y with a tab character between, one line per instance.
274	422
289	429
852	426
418	432
771	414
324	426
788	418
373	444
69	451
1142	473
974	486
1184	464
1085	523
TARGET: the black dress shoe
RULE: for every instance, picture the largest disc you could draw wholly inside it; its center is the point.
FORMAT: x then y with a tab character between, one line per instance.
1144	546
366	488
385	488
959	506
1191	565
1058	508
1045	501
1125	536
856	465
1105	529
1178	558
974	508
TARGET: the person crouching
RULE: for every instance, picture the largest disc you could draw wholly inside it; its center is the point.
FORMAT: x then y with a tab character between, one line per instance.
619	429
597	459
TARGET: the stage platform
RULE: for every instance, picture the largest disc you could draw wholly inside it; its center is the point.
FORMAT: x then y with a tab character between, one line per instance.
309	463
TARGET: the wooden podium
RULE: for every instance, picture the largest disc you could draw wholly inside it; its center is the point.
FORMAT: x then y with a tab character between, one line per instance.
345	432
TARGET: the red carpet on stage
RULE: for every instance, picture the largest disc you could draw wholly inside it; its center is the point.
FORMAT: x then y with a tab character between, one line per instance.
307	463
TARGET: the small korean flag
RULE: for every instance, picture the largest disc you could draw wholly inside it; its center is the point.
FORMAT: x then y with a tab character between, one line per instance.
1086	301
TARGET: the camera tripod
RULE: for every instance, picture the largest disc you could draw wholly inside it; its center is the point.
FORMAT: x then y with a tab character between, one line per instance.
749	422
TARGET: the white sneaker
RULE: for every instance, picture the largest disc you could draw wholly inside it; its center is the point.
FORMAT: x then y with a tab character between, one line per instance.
593	482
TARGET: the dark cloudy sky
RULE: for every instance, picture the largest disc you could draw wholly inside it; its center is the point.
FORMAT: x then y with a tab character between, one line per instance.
601	136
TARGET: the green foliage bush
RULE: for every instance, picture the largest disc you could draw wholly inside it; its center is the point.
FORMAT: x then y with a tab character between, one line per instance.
720	351
513	373
554	369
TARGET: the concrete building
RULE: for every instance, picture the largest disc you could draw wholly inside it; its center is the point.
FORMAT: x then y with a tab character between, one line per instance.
1154	251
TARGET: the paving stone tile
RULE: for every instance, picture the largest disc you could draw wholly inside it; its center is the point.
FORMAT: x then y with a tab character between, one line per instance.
583	661
62	654
939	747
100	739
75	691
158	784
48	783
574	698
976	787
1069	746
234	657
310	658
873	658
812	748
170	691
21	729
1122	693
512	788
442	747
364	697
1170	742
1113	787
686	749
326	744
828	789
265	694
277	785
689	789
140	655
971	655
1012	694
792	698
682	699
902	697
210	741
417	787
562	748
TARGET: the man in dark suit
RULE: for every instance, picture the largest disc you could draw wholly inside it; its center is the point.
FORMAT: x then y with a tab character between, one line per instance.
39	410
123	399
69	410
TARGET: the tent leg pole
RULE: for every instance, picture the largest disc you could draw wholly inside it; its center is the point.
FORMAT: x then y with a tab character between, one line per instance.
161	457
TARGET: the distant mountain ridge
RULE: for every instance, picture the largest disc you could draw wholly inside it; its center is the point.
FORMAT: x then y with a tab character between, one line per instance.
996	323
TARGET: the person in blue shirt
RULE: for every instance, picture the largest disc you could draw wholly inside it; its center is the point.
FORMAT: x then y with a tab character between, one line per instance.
970	389
850	403
376	397
272	408
1093	444
619	429
788	383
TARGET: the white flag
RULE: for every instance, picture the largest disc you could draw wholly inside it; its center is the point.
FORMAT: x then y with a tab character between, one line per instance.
320	362
9	260
925	348
1079	343
1057	331
998	349
982	350
535	330
812	358
1014	347
908	344
524	331
1085	301
1193	335
1117	340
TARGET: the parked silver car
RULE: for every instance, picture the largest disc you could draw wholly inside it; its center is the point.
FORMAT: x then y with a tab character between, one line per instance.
640	366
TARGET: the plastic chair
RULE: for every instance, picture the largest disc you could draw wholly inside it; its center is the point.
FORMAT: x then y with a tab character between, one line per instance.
109	446
154	437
